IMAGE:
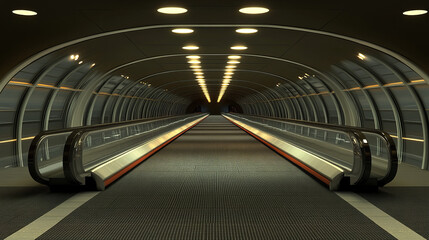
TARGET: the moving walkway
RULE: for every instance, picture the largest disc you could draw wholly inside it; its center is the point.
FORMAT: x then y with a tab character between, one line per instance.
95	156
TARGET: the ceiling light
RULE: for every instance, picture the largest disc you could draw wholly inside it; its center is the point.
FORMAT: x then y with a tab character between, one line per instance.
80	62
361	56
92	65
24	12
198	73
74	57
239	47
414	12
247	30
229	73
182	30
193	57
227	77
194	61
230	66
254	10
195	66
172	10
234	57
190	47
199	76
233	62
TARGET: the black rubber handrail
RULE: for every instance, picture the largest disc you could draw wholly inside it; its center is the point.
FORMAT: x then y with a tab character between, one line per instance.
392	166
32	161
72	159
361	170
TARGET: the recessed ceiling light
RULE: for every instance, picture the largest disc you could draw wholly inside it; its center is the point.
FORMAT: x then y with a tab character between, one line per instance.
182	30
194	61
238	47
80	62
234	57
193	57
230	66
247	30
92	65
254	10
414	12
172	10
199	76
74	57
198	73
361	56
233	62
24	12
229	73
227	76
190	47
195	66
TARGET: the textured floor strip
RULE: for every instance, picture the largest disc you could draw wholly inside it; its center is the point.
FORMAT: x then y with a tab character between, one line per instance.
47	221
382	219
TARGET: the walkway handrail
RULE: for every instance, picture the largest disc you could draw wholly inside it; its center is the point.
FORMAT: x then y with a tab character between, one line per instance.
361	146
389	142
73	163
69	134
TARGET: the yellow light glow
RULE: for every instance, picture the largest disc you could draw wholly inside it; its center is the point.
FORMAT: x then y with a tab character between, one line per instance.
182	30
230	66
200	77
233	62
414	12
229	73
195	66
198	73
22	12
247	30
172	10
190	47
254	10
80	62
45	85
372	86
234	57
239	47
393	84
92	65
20	83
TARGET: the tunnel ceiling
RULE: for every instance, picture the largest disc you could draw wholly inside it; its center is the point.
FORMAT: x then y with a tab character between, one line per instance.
151	53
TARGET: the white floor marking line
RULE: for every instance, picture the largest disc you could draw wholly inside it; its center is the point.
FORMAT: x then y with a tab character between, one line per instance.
382	219
49	219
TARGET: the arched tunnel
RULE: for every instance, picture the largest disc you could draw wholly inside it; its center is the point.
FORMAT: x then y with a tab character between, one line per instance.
323	68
